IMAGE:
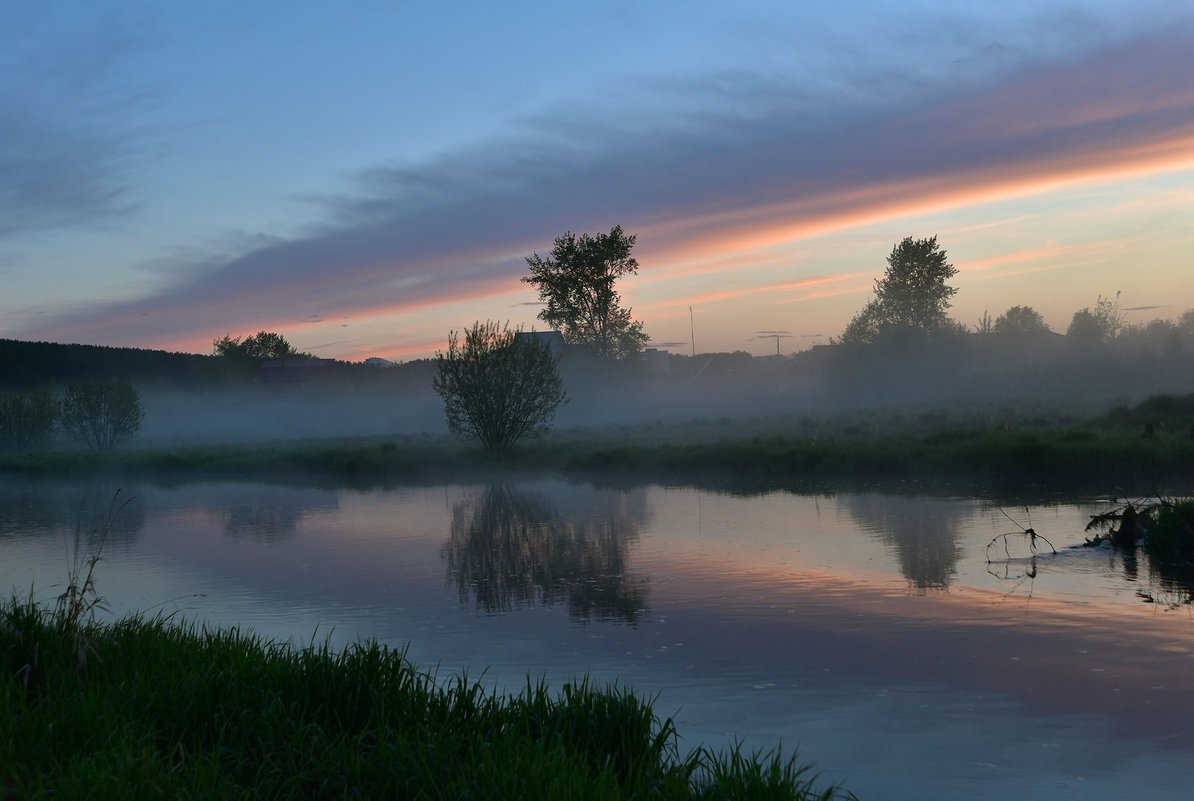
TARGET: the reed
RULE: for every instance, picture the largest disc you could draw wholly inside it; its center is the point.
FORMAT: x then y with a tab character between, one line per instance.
169	710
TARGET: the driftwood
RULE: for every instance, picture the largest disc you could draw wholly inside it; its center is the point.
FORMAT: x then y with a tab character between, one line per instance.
1027	533
1026	570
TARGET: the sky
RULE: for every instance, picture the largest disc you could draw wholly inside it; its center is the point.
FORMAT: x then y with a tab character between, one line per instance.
364	177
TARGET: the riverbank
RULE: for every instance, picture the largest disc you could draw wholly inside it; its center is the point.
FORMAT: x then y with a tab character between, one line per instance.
151	708
1141	449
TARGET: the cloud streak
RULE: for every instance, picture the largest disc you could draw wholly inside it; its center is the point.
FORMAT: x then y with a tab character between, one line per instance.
694	187
67	142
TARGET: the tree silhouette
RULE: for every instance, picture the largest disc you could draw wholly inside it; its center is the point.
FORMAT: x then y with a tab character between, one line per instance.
102	413
26	419
1102	324
912	295
262	345
1021	321
498	387
577	283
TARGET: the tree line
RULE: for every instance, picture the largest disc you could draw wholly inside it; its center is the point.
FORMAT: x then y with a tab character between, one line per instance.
912	300
498	387
34	364
499	384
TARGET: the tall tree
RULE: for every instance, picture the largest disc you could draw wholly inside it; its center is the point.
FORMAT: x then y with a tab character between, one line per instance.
577	283
912	295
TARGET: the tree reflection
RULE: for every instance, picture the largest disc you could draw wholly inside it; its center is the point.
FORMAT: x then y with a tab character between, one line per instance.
93	511
272	514
510	548
923	532
1164	582
1170	584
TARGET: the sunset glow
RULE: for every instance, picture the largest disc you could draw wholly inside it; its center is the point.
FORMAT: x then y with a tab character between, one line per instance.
766	180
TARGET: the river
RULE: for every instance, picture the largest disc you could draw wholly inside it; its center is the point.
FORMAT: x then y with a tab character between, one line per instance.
911	645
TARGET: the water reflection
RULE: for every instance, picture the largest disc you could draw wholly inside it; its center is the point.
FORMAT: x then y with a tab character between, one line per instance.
91	510
510	547
271	514
1171	585
1164	582
924	535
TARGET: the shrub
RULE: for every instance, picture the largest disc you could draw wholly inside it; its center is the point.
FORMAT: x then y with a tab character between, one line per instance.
498	387
102	413
26	420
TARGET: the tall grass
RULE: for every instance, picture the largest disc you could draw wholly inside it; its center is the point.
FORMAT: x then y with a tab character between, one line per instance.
167	710
1169	535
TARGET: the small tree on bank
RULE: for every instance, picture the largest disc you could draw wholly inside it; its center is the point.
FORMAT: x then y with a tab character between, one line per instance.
102	413
26	419
498	387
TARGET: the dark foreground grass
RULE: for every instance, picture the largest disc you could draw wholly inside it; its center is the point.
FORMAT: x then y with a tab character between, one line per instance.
146	708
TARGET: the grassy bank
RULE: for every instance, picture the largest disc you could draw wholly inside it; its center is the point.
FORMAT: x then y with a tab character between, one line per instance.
149	709
782	452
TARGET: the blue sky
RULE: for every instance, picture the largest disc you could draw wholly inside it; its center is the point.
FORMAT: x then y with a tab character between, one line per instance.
364	177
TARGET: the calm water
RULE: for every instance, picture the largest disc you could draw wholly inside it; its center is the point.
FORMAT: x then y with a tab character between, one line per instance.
869	630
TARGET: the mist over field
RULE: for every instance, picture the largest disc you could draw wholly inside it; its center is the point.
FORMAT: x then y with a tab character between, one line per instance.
971	380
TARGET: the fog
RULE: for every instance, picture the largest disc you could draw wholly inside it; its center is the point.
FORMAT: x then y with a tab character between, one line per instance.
970	379
260	414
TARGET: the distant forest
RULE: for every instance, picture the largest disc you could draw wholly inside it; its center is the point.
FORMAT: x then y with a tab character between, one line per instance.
1137	360
26	365
33	364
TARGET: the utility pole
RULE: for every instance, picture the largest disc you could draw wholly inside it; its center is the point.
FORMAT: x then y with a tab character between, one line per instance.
692	330
778	335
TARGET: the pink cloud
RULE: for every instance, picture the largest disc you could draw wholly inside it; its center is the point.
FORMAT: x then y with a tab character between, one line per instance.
735	187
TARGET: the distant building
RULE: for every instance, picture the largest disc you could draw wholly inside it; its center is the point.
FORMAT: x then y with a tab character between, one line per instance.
377	361
553	339
656	361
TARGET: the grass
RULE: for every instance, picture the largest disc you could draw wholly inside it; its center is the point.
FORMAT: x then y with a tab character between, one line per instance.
1126	448
1163	528
166	710
1169	535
